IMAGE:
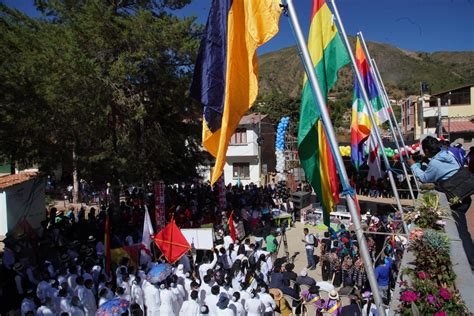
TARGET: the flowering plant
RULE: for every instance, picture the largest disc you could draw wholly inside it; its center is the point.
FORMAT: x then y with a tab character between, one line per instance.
427	212
431	290
426	297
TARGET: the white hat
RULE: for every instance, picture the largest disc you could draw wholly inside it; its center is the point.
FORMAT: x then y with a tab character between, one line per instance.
334	295
304	272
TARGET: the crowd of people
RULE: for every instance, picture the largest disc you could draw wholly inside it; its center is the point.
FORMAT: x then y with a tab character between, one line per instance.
60	270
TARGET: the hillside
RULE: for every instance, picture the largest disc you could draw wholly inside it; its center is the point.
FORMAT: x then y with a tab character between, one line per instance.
281	72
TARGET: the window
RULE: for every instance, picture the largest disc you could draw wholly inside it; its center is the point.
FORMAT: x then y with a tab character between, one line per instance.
239	137
241	170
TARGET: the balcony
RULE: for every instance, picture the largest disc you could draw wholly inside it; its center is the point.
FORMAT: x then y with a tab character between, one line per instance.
433	111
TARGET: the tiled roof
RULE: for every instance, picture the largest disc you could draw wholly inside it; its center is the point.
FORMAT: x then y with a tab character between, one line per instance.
11	180
252	119
457	125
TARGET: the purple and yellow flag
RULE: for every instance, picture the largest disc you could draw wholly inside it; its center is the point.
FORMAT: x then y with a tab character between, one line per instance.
361	125
225	77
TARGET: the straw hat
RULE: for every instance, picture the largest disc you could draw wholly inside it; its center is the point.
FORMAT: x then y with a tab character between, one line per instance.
334	295
277	293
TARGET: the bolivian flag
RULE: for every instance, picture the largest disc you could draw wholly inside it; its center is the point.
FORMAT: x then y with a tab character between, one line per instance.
225	77
329	56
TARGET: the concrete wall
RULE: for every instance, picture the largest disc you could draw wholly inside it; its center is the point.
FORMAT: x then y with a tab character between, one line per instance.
254	170
460	110
249	149
3	214
23	201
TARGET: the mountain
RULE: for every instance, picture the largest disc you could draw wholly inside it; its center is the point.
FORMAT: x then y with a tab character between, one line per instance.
281	72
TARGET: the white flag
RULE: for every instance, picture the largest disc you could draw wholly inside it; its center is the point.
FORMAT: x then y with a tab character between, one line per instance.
147	233
374	161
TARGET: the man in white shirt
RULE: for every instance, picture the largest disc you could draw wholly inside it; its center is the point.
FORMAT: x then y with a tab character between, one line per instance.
211	300
206	265
151	296
223	307
267	301
28	304
190	307
88	299
310	243
137	295
46	309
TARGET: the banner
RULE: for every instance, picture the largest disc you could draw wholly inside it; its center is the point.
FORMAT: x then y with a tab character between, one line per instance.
160	217
201	238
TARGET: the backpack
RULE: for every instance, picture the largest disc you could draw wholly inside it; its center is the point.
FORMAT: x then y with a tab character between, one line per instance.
458	154
459	185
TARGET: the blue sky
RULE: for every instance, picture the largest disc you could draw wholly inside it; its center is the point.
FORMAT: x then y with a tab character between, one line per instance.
418	25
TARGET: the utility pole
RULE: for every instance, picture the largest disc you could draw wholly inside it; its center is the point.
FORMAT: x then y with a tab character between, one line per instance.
259	144
440	126
422	119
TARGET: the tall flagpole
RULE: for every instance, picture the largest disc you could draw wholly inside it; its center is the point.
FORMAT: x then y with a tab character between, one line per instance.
385	109
331	137
379	77
371	114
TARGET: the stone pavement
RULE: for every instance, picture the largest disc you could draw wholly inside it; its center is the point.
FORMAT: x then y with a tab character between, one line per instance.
296	247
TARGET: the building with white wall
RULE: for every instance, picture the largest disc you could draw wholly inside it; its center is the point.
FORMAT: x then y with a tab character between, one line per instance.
251	152
21	198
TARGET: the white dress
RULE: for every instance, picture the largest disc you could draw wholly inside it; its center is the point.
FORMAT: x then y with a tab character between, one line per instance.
267	301
88	300
254	307
168	301
190	308
151	296
238	308
211	301
137	296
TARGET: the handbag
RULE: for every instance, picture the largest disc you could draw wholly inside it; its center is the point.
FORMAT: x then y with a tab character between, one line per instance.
460	185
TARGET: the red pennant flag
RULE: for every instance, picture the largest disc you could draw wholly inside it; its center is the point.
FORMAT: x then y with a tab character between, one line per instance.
171	242
232	227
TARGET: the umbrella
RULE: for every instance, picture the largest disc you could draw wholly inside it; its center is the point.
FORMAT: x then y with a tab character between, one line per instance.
159	273
113	307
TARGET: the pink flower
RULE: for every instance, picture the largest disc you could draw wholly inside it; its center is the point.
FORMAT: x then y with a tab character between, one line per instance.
440	313
408	296
430	298
423	275
416	234
444	293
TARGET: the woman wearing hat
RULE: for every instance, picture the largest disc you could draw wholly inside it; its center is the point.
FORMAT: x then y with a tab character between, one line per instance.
333	305
312	297
369	308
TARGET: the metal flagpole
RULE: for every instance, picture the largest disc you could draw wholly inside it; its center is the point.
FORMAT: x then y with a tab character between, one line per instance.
379	77
385	109
331	137
371	114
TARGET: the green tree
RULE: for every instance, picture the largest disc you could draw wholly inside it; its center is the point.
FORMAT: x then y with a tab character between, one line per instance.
101	86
